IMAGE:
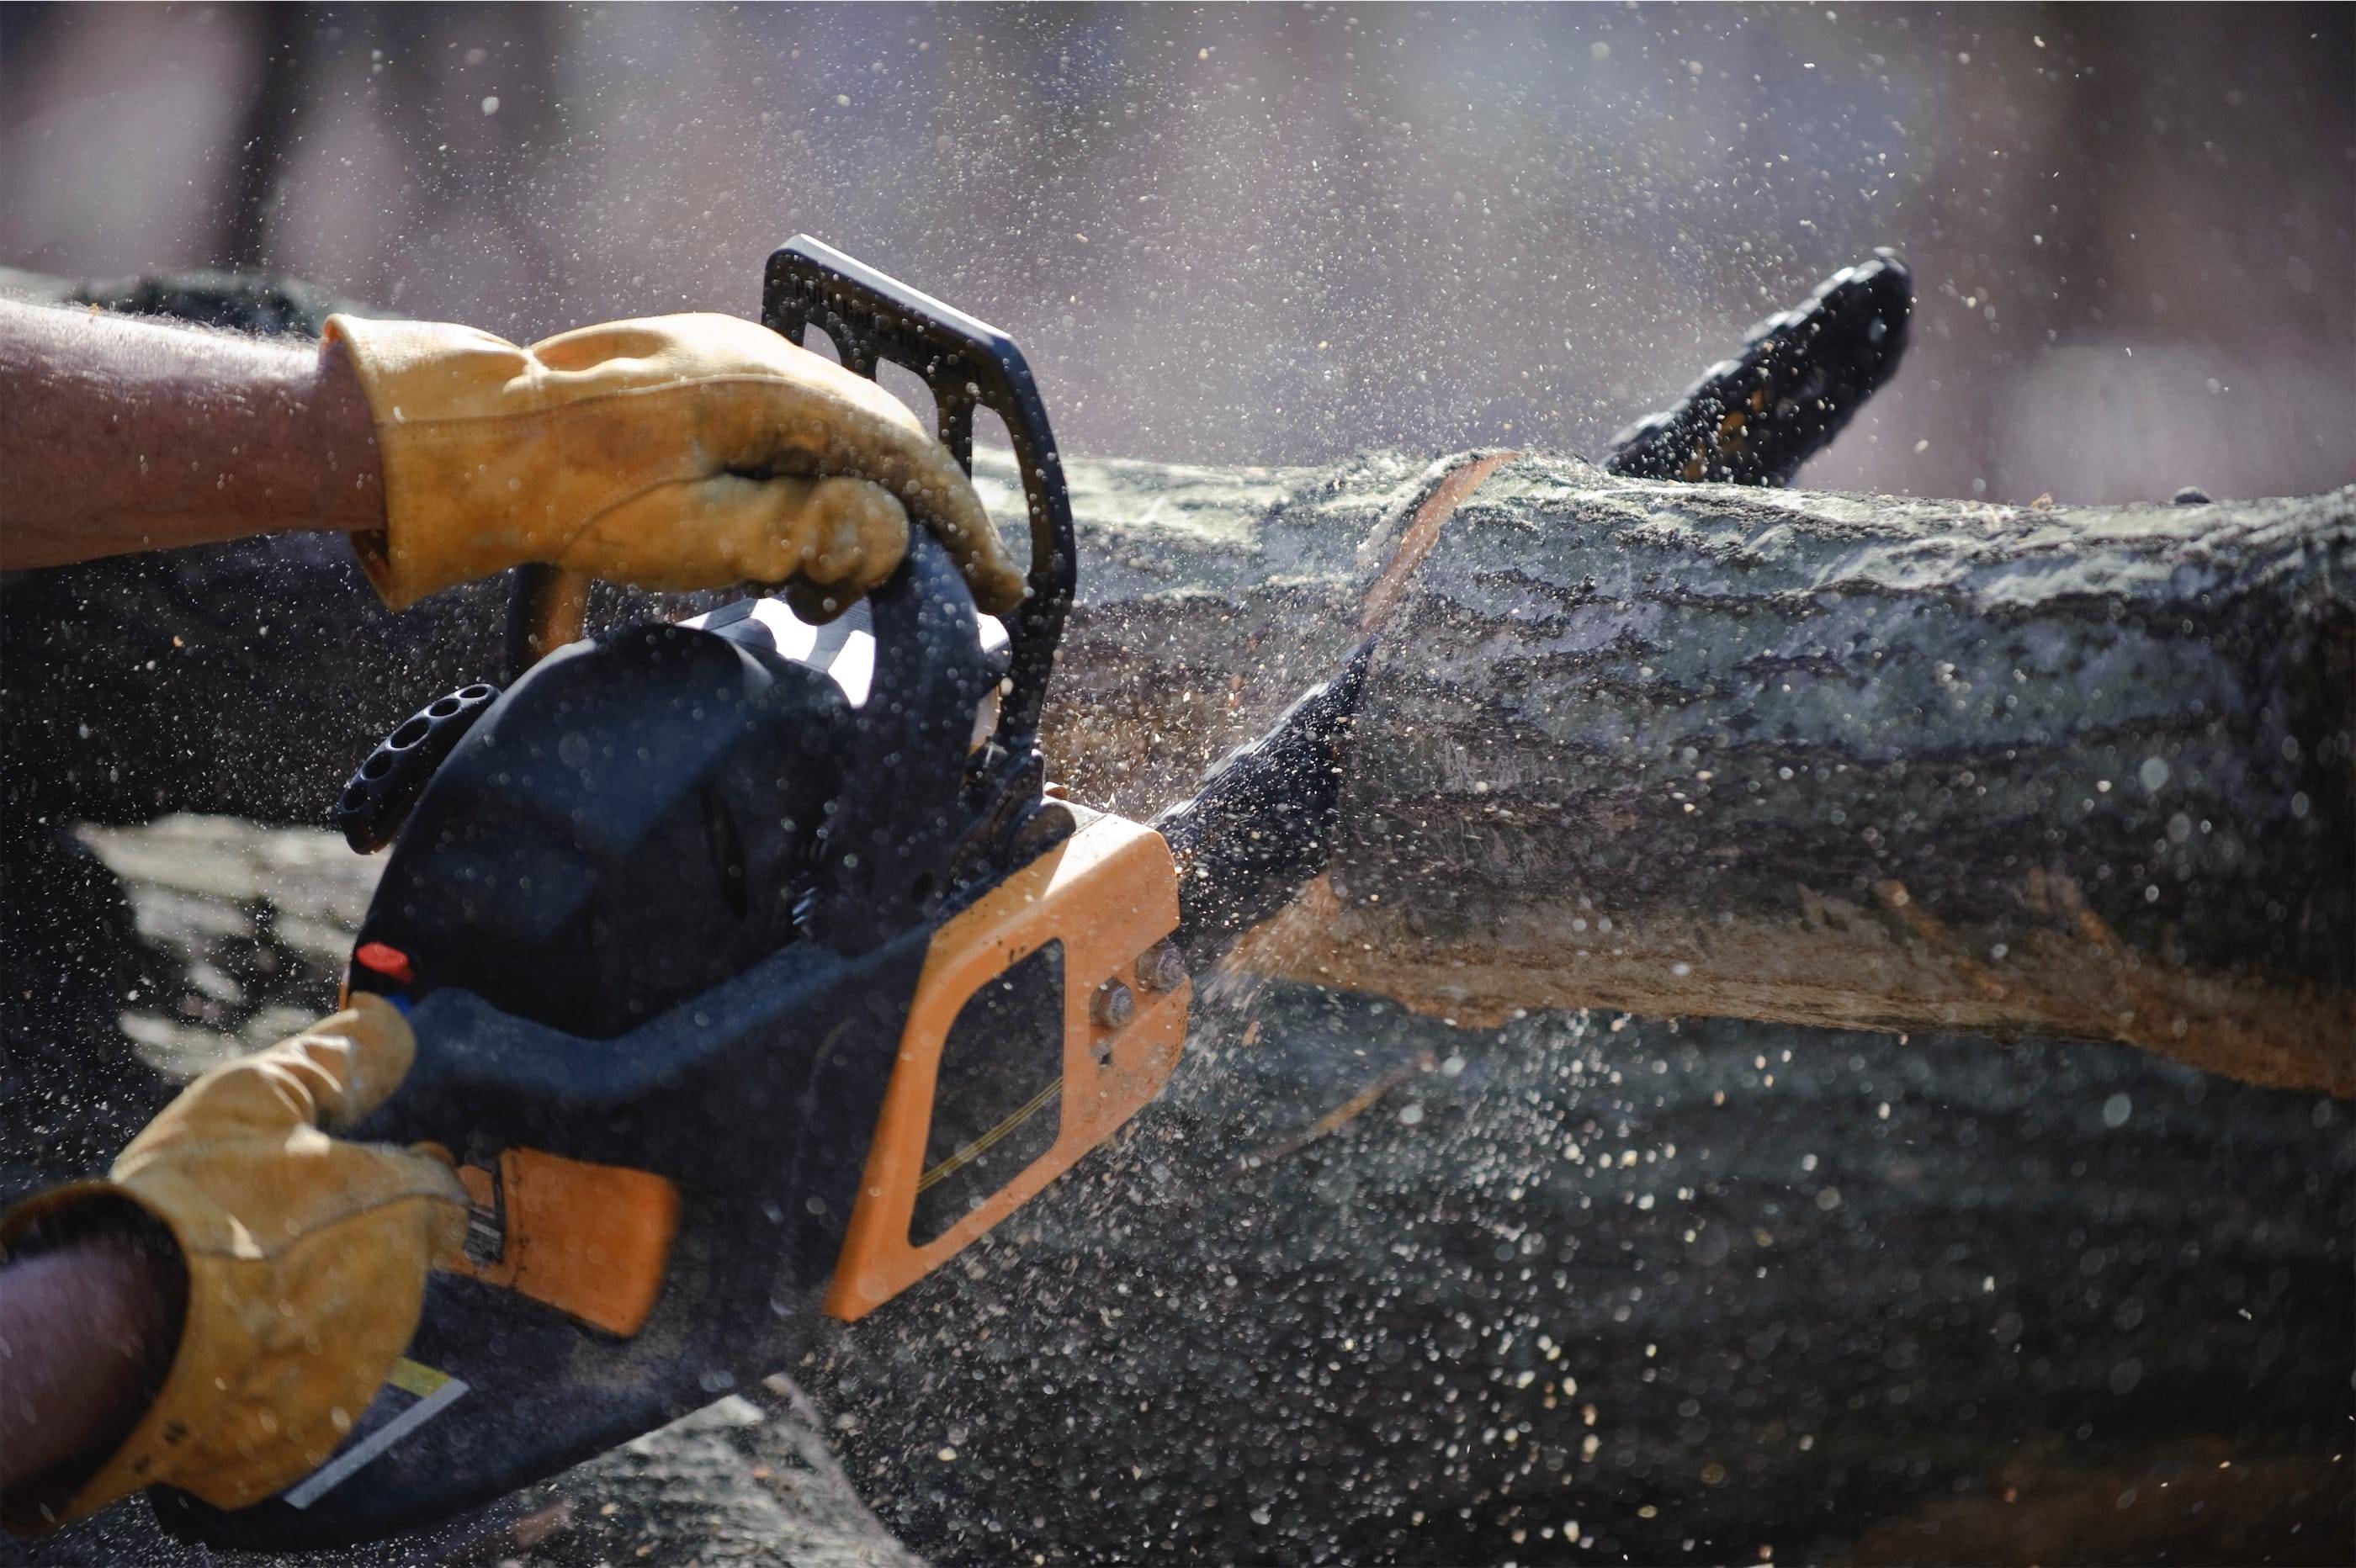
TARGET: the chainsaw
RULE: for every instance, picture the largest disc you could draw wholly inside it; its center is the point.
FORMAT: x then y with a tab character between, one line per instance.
757	970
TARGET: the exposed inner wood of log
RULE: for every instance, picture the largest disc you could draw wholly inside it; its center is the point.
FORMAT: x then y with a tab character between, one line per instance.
1838	964
1423	532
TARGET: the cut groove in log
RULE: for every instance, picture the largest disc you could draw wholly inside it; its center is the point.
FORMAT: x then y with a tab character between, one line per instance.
1421	533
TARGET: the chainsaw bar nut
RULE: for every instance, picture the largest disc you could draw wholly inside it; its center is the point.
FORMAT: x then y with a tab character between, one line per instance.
1161	967
1113	1005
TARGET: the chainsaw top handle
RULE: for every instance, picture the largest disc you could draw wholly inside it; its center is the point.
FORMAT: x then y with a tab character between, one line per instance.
967	364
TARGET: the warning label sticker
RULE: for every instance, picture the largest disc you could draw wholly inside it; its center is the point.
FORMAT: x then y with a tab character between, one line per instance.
414	1395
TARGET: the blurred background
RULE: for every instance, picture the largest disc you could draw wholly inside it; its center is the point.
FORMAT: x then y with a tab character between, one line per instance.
1281	235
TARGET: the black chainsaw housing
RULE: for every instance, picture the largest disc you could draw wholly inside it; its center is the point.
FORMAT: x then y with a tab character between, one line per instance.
636	827
611	903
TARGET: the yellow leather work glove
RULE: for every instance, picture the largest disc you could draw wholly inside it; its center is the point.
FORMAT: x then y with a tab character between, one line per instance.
306	1258
676	453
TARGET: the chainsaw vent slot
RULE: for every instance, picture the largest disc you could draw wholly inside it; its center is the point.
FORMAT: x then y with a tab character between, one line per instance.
998	1095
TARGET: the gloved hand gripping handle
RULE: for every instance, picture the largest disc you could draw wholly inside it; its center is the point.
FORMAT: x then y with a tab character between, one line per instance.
967	364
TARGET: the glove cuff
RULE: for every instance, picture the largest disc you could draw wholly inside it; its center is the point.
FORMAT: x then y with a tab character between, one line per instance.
435	393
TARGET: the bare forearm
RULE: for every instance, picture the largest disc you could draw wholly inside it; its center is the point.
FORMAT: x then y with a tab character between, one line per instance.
118	434
85	1331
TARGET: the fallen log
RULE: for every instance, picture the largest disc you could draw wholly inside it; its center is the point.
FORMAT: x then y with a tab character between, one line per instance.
1364	1288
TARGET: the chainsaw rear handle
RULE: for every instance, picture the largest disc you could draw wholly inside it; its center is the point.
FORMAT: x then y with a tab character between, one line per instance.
751	1104
745	1056
967	364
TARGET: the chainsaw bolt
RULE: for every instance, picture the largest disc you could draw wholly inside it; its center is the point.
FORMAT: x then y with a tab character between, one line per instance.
1112	1005
1160	968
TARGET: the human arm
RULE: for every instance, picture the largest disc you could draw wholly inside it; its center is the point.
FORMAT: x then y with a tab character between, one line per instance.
679	453
86	1331
119	434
